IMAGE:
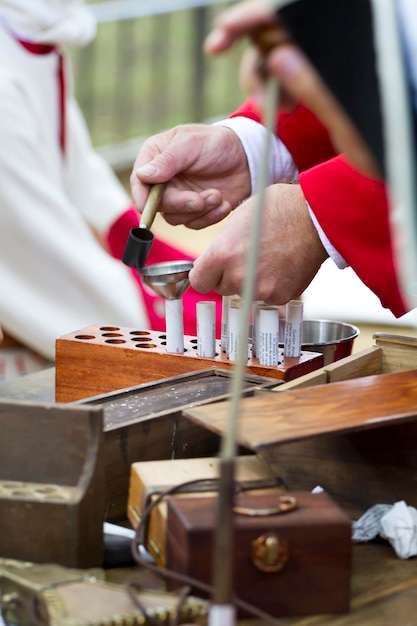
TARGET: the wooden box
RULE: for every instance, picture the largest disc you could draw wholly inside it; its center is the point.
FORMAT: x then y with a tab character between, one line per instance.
149	479
313	544
146	423
99	359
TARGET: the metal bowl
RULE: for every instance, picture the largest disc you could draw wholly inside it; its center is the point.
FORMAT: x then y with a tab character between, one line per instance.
334	340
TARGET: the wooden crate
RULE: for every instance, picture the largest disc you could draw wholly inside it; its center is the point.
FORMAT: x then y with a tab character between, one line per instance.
353	434
150	479
100	359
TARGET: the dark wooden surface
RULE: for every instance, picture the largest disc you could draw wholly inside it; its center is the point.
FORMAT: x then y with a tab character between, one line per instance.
383	591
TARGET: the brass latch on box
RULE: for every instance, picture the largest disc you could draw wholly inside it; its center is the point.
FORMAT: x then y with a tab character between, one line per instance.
269	553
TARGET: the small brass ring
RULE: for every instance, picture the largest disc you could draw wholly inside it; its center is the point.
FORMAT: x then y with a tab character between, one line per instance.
286	504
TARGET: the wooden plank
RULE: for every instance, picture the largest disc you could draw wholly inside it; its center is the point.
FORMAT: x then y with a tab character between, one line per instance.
346	406
319	377
365	363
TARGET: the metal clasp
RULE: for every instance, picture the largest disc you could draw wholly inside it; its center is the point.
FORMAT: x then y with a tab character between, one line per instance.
269	553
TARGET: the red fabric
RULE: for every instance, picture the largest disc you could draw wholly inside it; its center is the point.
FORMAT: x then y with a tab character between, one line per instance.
36	48
160	252
309	144
352	209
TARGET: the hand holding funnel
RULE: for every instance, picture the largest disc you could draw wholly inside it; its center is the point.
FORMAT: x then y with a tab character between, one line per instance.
140	239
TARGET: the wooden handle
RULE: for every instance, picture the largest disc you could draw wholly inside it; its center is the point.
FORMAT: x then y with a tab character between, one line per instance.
151	205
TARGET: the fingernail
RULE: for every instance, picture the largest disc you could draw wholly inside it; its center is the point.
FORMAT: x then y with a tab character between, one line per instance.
147	170
212	202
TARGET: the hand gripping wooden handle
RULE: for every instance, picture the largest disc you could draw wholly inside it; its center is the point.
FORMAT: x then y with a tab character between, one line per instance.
151	205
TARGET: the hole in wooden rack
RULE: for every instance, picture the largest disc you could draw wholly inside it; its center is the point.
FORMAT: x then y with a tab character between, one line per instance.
141	339
162	337
112	335
145	345
111	328
84	337
139	332
115	341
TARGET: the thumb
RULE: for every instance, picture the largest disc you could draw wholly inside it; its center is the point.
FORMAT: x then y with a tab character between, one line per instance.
161	169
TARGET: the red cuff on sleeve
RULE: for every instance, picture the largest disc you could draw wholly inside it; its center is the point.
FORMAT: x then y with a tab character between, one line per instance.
353	210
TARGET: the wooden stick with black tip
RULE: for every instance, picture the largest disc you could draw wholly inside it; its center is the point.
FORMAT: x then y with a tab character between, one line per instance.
140	239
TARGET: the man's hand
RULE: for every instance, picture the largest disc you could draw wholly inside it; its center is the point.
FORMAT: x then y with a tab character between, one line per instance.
205	168
290	251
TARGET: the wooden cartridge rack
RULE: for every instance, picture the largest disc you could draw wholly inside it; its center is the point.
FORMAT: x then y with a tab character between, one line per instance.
99	359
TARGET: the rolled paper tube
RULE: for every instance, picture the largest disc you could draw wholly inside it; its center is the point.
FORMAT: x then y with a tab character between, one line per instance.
225	325
174	321
293	328
222	615
206	329
268	331
234	339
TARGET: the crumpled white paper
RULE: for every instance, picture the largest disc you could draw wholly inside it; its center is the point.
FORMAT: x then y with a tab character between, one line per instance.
396	523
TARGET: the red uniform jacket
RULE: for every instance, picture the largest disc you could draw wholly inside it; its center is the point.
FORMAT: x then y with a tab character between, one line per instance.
351	208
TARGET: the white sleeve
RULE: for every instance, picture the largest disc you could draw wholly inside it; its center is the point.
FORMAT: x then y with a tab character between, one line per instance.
330	249
54	276
282	168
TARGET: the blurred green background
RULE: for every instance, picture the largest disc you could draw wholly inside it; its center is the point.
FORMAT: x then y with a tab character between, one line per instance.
145	71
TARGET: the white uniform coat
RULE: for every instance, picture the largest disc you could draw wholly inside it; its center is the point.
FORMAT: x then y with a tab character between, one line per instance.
54	275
